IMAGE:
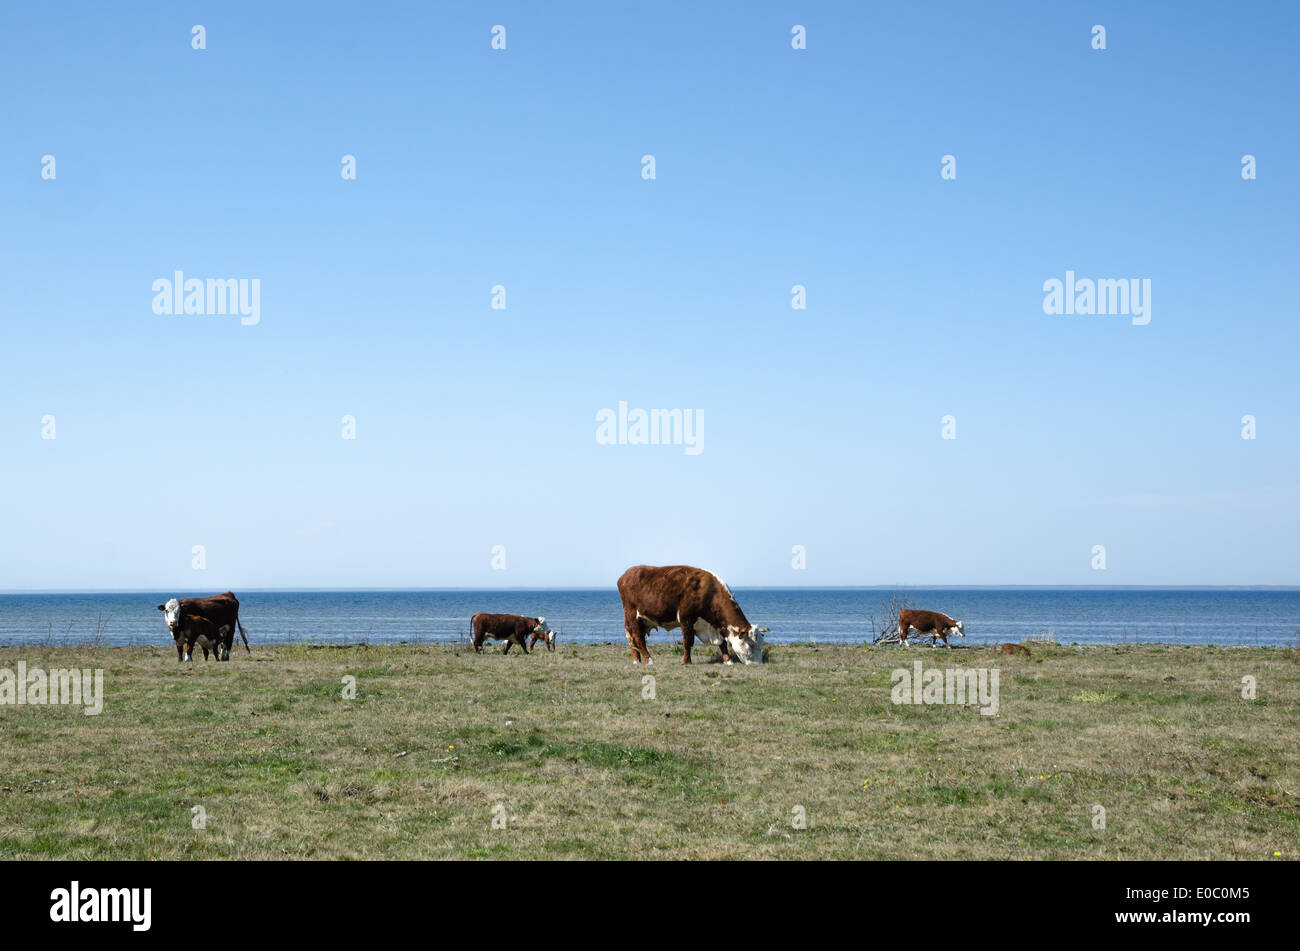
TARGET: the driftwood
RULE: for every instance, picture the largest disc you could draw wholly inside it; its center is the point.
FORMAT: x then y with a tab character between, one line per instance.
893	638
884	626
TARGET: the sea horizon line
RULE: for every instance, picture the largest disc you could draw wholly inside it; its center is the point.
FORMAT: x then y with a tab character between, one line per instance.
296	589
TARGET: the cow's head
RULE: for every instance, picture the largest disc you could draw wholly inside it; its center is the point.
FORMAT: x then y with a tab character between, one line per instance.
956	630
172	615
746	643
543	632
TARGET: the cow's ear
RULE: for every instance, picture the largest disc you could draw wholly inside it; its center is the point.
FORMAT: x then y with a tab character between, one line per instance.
162	607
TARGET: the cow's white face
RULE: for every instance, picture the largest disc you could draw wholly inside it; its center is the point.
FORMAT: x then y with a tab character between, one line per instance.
544	631
956	630
172	615
747	645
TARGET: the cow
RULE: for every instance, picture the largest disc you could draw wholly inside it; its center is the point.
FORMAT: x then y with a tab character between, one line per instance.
934	623
511	628
547	637
697	601
221	612
189	630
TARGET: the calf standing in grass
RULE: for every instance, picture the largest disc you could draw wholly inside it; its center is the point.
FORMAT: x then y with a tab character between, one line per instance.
198	631
934	623
511	628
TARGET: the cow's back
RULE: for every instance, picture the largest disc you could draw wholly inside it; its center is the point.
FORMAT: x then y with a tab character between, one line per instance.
924	620
664	593
659	592
222	608
502	625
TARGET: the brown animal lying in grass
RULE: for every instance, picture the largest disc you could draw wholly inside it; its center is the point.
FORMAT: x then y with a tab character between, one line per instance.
1013	649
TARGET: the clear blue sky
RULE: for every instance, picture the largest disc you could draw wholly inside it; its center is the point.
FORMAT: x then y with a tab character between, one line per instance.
476	427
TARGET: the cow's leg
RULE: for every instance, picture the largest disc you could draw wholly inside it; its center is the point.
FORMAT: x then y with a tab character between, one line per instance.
509	644
180	651
632	628
902	637
643	628
688	638
523	645
943	636
478	644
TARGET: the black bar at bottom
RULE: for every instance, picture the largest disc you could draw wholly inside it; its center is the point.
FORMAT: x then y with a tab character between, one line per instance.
944	901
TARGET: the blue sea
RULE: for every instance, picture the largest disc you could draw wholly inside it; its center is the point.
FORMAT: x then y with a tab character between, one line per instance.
1240	616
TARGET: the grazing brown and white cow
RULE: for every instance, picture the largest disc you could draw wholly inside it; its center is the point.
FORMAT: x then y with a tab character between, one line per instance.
933	623
697	601
190	619
511	628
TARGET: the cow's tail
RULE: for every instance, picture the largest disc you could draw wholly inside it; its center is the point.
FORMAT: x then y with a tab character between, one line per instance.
242	633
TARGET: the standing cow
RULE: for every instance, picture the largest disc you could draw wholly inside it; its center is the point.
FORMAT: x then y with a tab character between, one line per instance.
210	620
511	628
933	623
697	601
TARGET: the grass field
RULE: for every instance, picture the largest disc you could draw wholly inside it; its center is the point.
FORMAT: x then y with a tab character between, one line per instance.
563	750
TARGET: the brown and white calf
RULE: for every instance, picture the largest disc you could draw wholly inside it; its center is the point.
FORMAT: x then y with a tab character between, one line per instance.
511	628
200	632
543	633
697	601
213	619
934	623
